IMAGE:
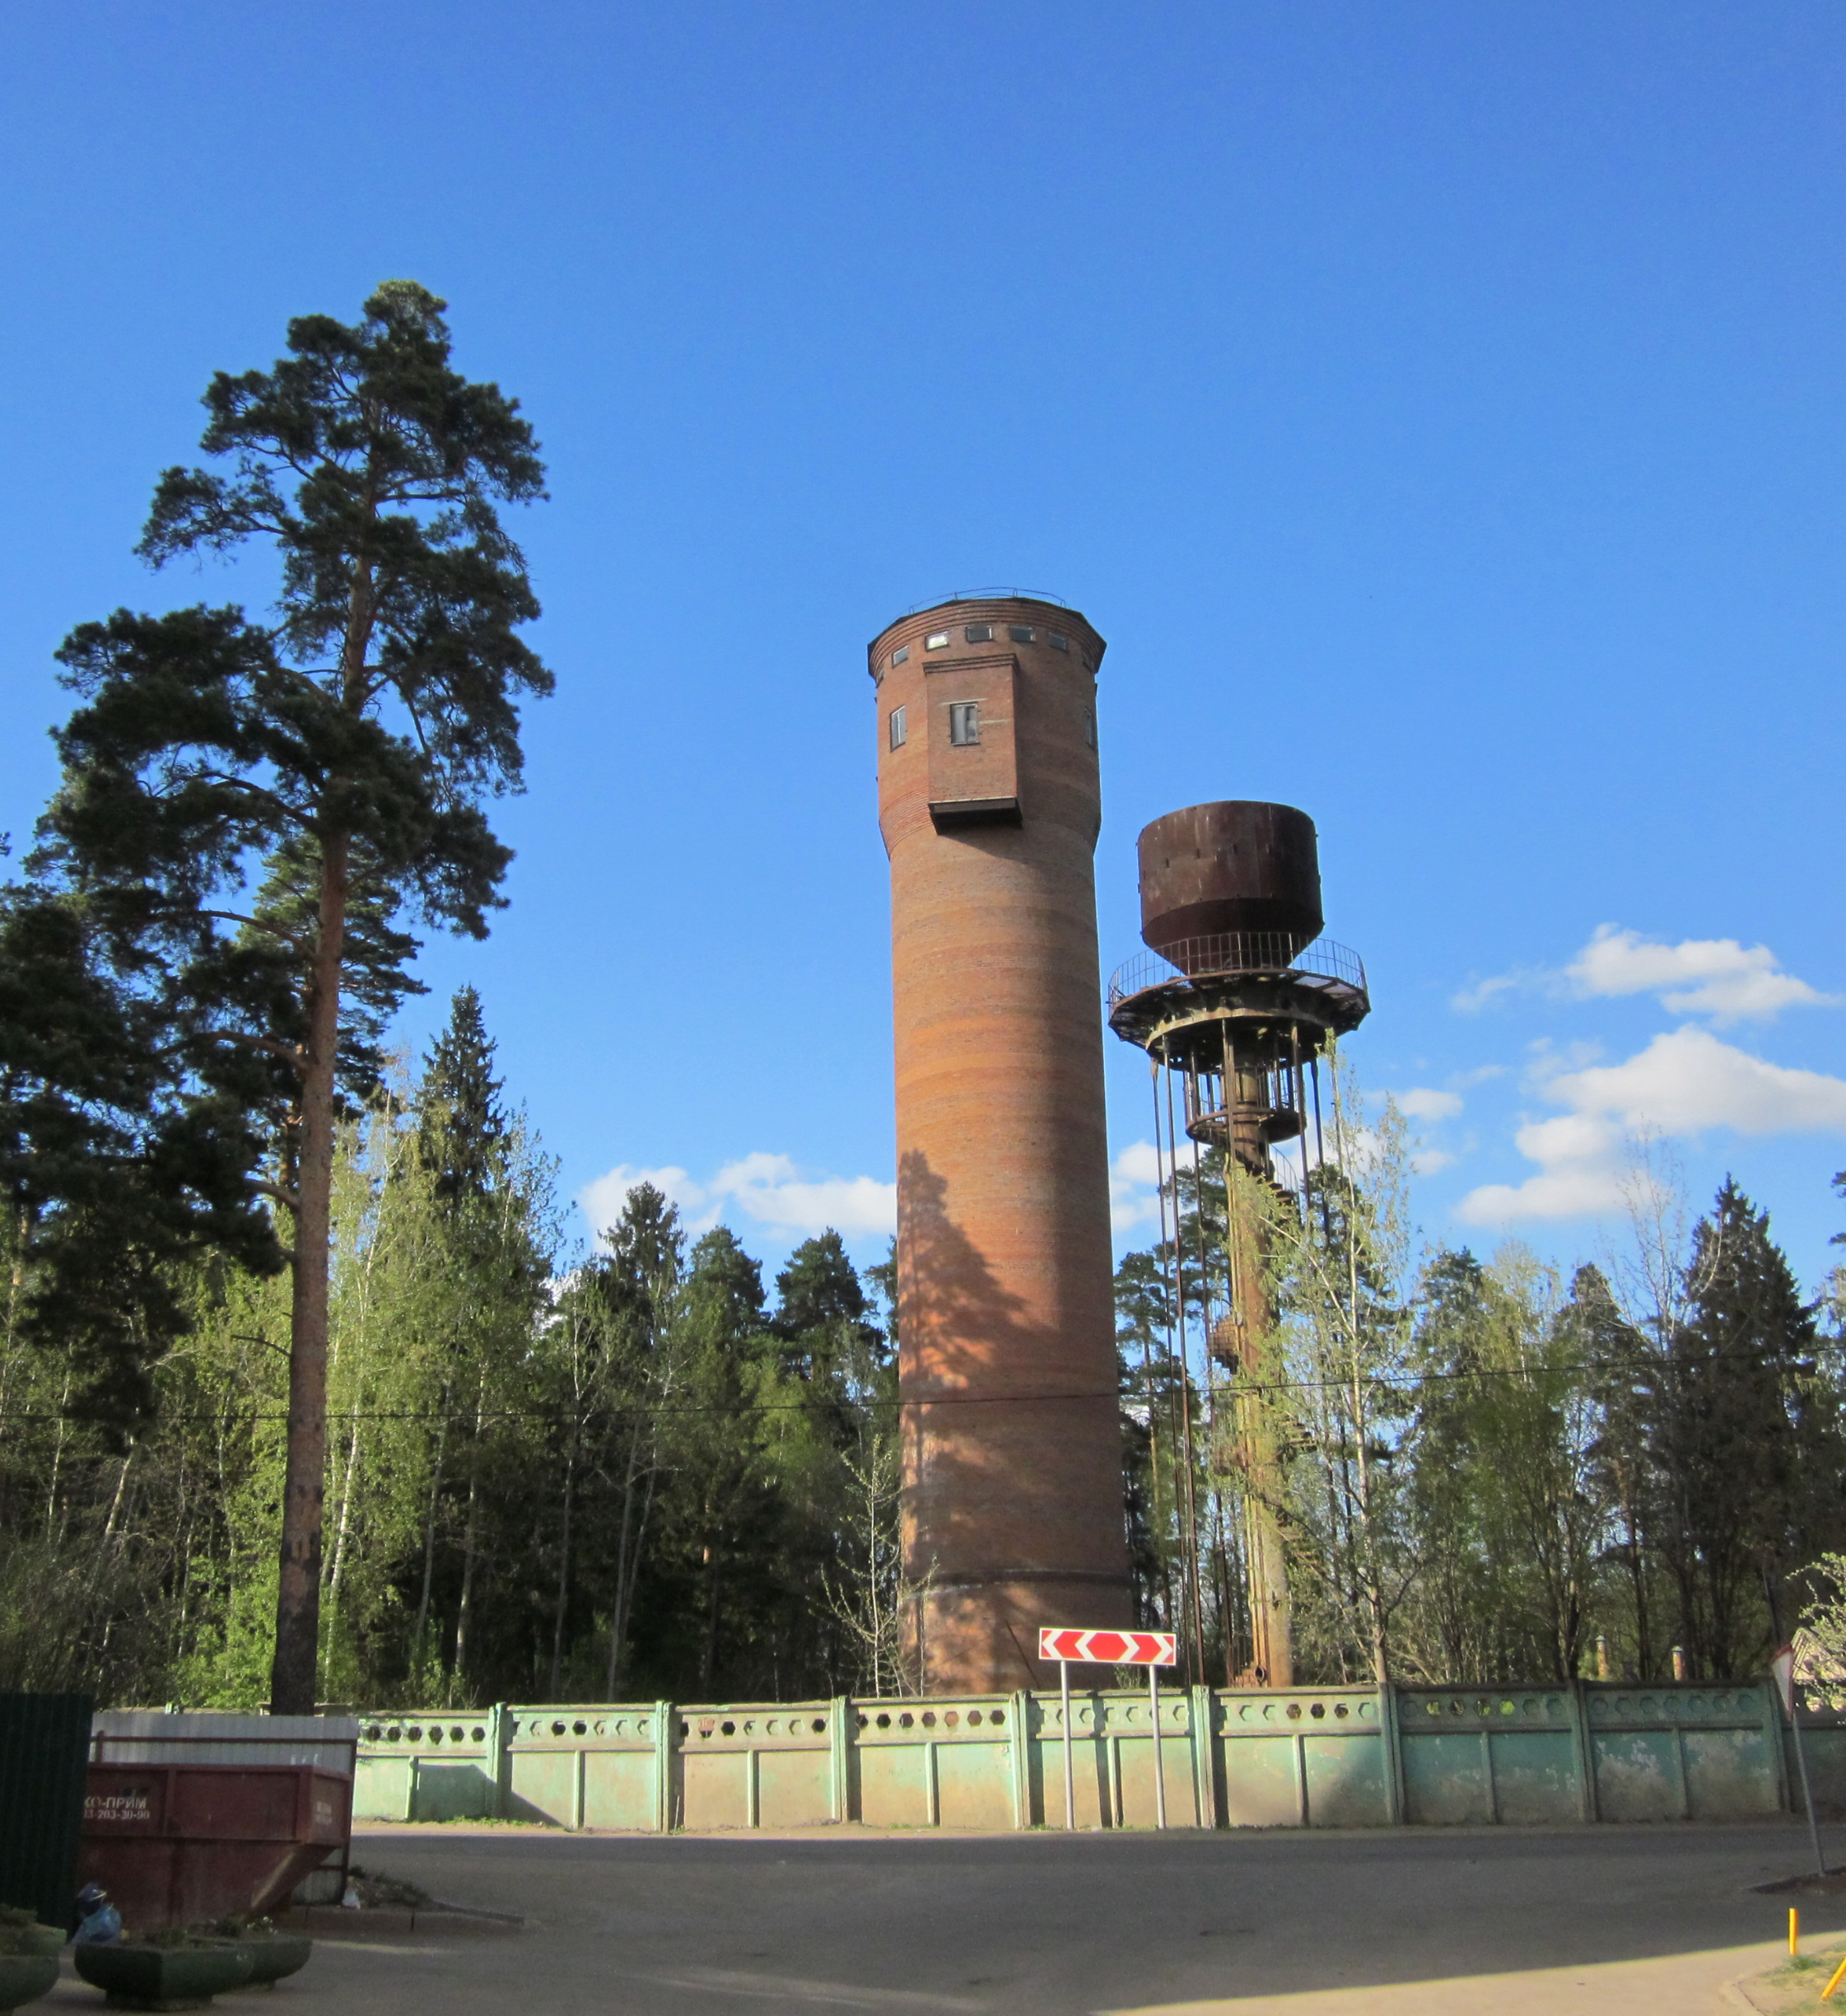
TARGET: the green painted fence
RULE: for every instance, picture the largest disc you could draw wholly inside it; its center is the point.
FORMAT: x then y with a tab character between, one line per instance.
1304	1756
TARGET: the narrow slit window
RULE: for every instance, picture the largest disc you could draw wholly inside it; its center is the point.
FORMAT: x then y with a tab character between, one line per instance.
898	731
900	655
936	640
978	633
964	723
1089	724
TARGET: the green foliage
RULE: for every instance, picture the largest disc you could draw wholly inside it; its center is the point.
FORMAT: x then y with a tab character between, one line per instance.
254	816
1479	1475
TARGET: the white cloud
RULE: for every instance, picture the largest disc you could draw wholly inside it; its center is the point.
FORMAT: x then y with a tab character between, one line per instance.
768	1188
1480	994
774	1193
1716	977
1683	1083
1425	1103
1133	1187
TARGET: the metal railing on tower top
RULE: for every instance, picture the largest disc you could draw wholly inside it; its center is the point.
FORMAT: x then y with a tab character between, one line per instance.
1237	952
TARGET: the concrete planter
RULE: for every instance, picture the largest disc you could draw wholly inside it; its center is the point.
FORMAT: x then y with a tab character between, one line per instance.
40	1938
275	1958
163	1977
24	1977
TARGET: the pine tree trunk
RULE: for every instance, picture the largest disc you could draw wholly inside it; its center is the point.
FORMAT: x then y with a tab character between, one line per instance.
429	1536
291	1685
563	1573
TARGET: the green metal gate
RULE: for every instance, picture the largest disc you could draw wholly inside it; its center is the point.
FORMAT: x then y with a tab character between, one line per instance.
45	1753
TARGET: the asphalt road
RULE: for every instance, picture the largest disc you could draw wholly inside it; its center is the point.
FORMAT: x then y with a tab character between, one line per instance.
1593	1920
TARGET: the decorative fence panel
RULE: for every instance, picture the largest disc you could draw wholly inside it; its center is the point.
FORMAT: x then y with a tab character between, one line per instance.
1302	1756
1684	1753
1485	1755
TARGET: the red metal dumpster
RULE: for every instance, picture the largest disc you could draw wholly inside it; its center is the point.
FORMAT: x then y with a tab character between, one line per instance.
175	1844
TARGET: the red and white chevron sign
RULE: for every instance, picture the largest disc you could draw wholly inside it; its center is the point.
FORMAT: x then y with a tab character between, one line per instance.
1111	1648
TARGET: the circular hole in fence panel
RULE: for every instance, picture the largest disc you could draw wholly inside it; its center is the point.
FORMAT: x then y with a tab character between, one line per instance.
685	1729
479	1735
951	1719
928	1717
1318	1711
820	1726
864	1721
372	1732
392	1735
730	1729
974	1718
1434	1707
1367	1710
1649	1706
997	1716
1294	1711
1509	1707
579	1729
884	1721
1720	1702
643	1726
557	1729
1455	1707
1339	1711
905	1719
770	1727
602	1729
416	1735
436	1735
457	1734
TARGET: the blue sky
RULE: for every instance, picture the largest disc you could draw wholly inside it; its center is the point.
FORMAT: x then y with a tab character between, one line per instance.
1438	408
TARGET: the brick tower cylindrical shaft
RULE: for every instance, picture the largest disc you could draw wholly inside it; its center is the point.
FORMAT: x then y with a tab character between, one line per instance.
989	806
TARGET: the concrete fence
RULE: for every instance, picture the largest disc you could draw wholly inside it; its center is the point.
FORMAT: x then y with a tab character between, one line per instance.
1305	1756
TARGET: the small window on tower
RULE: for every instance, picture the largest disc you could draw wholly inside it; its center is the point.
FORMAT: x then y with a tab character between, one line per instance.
1056	641
900	655
936	640
964	722
1089	725
978	633
1022	633
899	731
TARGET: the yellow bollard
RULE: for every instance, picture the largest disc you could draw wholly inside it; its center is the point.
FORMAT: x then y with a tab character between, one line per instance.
1794	1932
1838	1975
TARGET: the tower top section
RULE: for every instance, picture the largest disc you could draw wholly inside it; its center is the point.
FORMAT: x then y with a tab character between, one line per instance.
980	623
1235	865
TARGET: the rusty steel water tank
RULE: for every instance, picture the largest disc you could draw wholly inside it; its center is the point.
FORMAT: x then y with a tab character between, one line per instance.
1237	865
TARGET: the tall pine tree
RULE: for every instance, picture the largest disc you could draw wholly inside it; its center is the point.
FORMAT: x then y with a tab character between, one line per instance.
337	755
1738	1415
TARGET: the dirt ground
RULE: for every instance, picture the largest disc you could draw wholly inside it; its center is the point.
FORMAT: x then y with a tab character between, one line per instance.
1604	1922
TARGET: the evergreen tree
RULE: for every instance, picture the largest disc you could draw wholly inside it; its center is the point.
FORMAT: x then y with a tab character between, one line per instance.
822	1313
463	1125
1737	1412
346	746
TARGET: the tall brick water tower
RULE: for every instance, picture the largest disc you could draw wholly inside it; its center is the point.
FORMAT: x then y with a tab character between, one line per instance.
990	806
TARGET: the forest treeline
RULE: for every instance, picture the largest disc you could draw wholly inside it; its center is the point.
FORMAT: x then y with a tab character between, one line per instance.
1491	1472
642	1473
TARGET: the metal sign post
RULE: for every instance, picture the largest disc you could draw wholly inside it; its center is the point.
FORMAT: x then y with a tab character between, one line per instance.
1785	1670
1152	1649
1159	1775
1069	1780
